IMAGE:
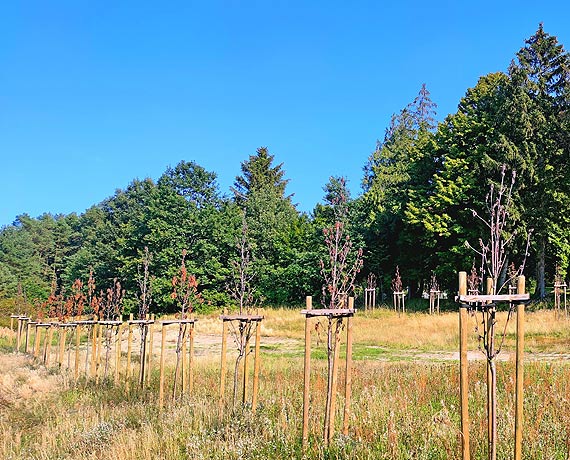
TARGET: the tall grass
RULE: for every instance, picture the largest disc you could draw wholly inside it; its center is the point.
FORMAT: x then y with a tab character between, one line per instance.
400	410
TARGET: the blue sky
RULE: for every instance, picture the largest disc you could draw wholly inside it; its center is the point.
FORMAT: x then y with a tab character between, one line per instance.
96	94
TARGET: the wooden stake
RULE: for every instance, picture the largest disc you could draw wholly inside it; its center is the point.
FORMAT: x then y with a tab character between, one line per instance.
463	370
37	341
27	342
94	334
34	335
307	373
348	373
62	336
118	353
99	347
129	351
150	347
245	369
19	335
223	364
162	355
48	343
183	366
77	343
519	372
191	361
256	366
489	291
332	417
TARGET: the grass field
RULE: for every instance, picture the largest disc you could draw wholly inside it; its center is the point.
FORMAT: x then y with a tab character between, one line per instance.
405	399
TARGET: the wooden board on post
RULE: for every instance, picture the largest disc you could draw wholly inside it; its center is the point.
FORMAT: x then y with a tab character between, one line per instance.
307	371
519	381
463	369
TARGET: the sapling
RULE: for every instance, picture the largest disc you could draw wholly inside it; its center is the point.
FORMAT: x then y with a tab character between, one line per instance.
494	256
145	287
240	288
185	292
111	308
339	273
397	290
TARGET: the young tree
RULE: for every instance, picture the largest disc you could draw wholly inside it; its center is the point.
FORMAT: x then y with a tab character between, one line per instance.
185	293
242	292
494	258
339	273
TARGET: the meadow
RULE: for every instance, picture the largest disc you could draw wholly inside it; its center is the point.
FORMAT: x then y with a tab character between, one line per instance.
405	402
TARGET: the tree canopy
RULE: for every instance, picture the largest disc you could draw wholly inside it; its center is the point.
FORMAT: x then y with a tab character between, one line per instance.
420	187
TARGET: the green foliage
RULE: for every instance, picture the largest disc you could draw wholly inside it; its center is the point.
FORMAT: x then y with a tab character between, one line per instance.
420	186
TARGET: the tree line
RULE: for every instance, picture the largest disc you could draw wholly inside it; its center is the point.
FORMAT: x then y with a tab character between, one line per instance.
421	186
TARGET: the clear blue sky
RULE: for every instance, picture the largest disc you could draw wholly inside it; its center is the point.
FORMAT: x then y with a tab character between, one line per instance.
94	94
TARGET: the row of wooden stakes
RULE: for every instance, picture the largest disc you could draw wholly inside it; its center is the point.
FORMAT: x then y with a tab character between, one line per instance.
92	345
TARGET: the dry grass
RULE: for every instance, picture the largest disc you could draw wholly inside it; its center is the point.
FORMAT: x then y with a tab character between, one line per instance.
400	409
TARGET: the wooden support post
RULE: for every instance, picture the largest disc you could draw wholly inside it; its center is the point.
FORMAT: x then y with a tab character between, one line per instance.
256	357
245	369
62	337
19	335
100	329
489	291
307	373
118	353
348	373
27	340
162	356
37	341
336	351
191	361
519	372
150	347
463	370
33	342
48	348
94	334
77	343
45	349
12	323
129	351
223	364
183	366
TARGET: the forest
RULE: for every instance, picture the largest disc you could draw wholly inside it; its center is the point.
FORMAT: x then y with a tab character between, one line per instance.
422	185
